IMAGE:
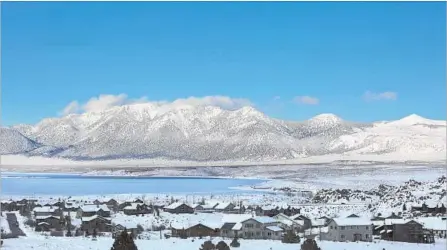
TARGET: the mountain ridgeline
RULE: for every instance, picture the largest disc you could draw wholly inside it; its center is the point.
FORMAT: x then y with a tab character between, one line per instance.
207	133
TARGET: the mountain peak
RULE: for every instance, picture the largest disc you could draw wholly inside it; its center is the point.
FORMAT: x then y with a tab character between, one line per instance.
327	118
414	119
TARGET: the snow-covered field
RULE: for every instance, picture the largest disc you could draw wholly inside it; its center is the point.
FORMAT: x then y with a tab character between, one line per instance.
54	243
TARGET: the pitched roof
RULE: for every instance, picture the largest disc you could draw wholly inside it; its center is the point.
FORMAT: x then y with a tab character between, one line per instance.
45	209
352	221
176	205
262	219
274	229
227	226
94	208
90	218
223	205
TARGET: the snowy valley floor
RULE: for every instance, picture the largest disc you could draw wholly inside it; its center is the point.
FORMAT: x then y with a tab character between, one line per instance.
53	243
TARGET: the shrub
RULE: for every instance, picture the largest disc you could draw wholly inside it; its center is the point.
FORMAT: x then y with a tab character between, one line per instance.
310	244
222	246
207	245
291	238
124	242
235	243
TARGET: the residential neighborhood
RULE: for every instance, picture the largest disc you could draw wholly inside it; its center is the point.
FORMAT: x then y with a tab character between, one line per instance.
175	218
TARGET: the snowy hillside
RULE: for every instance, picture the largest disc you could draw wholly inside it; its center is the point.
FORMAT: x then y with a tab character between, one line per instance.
13	142
208	133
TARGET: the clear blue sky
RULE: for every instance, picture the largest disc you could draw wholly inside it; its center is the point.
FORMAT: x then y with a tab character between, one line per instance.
54	53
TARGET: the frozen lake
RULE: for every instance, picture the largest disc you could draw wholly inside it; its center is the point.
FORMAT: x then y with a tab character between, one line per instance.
22	184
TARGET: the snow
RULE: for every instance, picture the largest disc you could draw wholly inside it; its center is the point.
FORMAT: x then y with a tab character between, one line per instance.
94	208
4	225
264	219
433	223
352	221
274	228
198	136
79	243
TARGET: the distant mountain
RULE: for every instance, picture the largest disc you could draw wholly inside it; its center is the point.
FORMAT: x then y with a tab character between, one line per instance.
207	133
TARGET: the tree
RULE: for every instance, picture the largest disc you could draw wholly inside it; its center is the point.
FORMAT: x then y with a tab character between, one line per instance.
124	242
222	246
235	243
310	244
291	237
94	233
404	207
207	245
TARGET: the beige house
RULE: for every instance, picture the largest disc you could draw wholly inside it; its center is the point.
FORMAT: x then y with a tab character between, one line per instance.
349	229
260	228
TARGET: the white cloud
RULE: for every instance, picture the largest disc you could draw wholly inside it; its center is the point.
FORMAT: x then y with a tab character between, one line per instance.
71	108
308	100
103	102
387	95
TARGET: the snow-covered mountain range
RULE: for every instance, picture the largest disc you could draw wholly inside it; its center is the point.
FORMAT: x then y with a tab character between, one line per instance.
208	133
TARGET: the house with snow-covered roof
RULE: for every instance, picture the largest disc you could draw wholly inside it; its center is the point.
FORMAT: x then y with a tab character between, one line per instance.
179	208
47	211
96	222
288	223
349	229
436	225
403	230
225	207
90	210
261	227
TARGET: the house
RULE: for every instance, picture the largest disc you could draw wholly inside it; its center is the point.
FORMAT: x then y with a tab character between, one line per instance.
46	223
226	231
138	201
231	224
123	205
306	222
436	225
179	208
47	211
262	227
130	227
268	210
197	207
90	210
404	231
95	222
435	208
225	207
349	229
393	216
287	223
112	204
137	209
197	230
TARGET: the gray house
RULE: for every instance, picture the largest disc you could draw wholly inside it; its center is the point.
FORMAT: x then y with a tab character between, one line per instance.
349	229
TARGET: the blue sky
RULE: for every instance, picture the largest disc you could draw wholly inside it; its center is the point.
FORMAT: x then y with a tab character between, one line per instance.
361	61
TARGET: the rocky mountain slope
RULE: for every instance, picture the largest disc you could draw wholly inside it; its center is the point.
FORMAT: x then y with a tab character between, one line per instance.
207	133
384	197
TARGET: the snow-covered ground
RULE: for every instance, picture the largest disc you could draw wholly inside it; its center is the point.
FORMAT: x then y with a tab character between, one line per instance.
4	225
63	243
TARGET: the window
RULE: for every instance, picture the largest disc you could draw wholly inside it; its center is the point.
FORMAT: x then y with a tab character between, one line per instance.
342	236
335	227
332	227
367	236
269	234
367	228
342	228
352	227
